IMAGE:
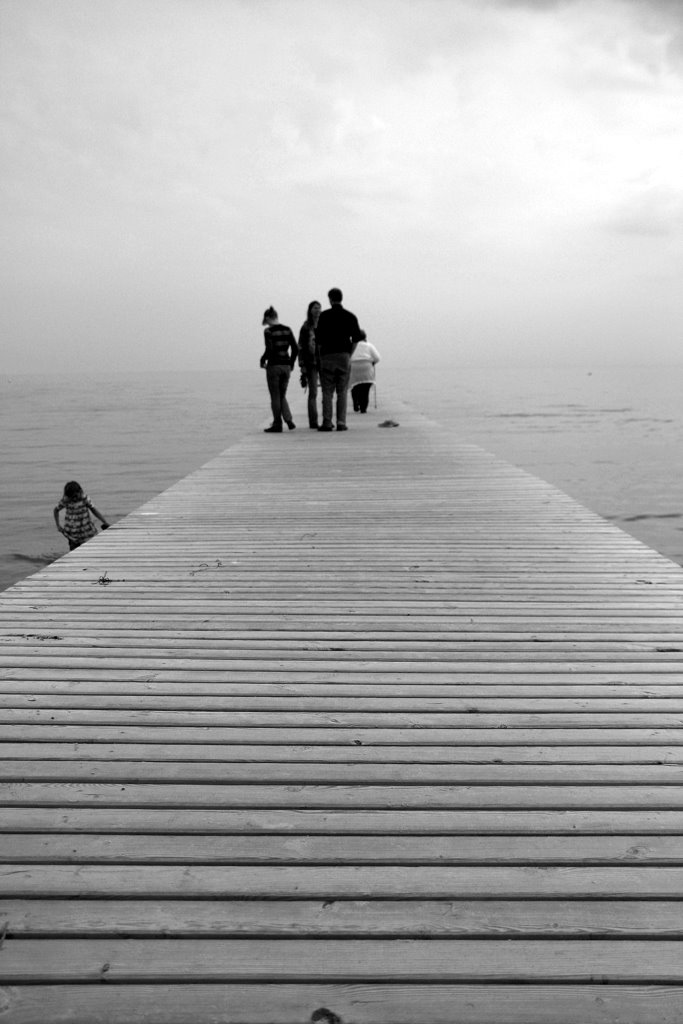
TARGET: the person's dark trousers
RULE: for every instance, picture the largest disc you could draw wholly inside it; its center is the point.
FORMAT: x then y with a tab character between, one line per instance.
278	379
361	396
334	377
313	381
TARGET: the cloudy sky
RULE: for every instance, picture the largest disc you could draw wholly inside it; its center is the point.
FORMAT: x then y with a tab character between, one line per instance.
486	180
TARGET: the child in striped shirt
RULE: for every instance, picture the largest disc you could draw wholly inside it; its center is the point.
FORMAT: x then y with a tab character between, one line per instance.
78	526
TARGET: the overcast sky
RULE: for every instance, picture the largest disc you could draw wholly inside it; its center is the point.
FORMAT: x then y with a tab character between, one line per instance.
486	180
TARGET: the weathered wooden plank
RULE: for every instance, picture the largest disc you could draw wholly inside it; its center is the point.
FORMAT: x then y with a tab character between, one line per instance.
122	623
402	554
619	640
285	773
154	563
404	702
553	646
361	644
247	614
668	659
373	571
310	720
589	918
299	961
582	627
444	882
246	611
325	796
206	821
503	735
112	848
666	688
148	753
358	1003
487	673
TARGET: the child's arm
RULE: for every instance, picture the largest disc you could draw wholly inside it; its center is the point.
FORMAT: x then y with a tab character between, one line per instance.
99	515
56	515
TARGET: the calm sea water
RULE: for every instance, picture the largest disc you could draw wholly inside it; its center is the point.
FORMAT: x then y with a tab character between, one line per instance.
611	437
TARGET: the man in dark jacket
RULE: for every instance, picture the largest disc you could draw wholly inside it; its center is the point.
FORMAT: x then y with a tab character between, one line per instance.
337	335
278	360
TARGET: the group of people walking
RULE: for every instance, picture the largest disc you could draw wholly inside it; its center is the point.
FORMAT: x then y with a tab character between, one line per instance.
333	354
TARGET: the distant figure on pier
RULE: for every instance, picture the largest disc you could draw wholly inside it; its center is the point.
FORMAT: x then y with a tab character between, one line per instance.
278	361
362	375
337	335
78	525
308	361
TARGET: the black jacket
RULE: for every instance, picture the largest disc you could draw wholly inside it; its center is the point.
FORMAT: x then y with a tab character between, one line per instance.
337	331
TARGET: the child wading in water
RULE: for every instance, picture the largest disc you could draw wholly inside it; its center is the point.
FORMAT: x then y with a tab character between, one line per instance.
78	526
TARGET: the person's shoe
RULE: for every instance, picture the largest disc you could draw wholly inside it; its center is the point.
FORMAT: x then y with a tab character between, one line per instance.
273	429
342	426
313	426
291	425
326	427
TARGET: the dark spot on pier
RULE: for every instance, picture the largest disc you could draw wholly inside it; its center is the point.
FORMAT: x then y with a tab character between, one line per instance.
325	1016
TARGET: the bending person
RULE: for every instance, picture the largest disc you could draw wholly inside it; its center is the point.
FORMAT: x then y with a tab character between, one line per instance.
362	375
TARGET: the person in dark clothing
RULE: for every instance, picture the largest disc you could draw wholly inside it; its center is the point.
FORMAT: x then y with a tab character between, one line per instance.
308	361
337	335
278	360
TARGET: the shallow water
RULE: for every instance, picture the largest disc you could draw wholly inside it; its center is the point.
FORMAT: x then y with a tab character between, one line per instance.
125	438
610	437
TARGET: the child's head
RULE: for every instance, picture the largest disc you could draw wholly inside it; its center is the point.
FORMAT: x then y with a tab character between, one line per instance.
73	491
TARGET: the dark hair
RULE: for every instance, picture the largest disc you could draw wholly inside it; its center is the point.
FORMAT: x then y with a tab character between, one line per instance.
73	490
335	295
310	307
270	314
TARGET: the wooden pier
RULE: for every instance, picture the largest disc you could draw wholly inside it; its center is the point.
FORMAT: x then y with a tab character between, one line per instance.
368	727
